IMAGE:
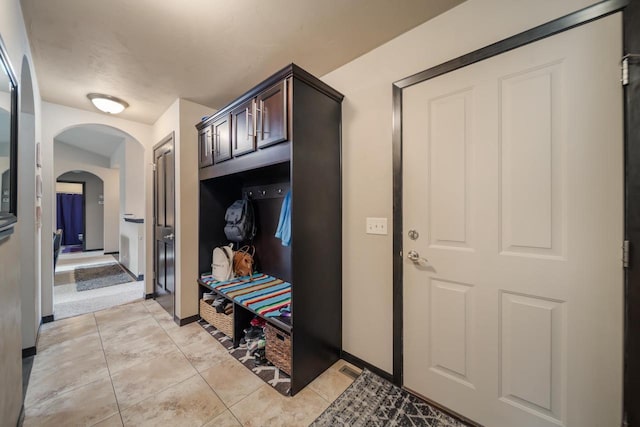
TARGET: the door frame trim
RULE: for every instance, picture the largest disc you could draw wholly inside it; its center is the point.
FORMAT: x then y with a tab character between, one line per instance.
564	23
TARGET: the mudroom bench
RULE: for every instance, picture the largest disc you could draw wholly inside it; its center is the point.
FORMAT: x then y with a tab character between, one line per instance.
279	142
273	293
243	292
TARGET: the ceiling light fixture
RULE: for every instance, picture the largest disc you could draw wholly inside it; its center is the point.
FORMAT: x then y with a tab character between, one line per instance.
107	103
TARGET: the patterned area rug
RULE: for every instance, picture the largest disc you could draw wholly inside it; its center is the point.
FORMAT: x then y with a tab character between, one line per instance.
268	373
101	276
372	401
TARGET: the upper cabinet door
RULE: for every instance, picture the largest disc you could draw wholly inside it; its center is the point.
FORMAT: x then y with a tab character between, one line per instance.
205	146
243	136
271	111
222	139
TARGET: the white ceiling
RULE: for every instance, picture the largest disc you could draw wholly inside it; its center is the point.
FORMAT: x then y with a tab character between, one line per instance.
98	139
150	52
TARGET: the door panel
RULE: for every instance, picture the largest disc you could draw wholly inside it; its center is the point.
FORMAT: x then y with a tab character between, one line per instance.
205	146
160	265
272	115
160	191
531	342
243	135
169	220
532	162
512	177
450	329
164	214
448	186
222	139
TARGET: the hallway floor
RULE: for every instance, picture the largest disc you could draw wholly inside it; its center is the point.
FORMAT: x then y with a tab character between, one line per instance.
69	302
132	365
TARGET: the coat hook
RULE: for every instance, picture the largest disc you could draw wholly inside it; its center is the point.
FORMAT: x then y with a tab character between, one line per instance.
250	193
279	190
263	192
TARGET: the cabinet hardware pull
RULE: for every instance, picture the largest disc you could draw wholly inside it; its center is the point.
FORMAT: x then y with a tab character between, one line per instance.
249	135
260	127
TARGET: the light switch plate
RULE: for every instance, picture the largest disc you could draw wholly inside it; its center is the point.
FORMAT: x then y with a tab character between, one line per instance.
376	225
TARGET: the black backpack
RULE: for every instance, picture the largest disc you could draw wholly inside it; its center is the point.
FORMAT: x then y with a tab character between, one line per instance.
241	225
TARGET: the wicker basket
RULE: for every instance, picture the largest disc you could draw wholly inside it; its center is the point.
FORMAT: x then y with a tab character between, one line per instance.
278	350
220	321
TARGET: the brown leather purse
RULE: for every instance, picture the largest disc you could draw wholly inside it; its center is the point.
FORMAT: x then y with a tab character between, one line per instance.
243	261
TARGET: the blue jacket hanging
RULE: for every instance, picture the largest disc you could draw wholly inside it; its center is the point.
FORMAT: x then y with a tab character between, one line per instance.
283	231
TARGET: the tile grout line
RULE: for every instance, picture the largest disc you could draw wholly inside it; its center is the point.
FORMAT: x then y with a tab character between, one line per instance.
214	392
198	372
104	353
157	322
247	396
266	384
321	396
158	391
196	369
228	407
67	390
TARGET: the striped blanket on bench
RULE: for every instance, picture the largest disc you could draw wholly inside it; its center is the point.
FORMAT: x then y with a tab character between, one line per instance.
266	295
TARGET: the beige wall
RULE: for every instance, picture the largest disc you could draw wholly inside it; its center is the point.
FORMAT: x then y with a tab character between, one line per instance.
10	332
129	158
181	118
14	36
366	148
188	184
29	227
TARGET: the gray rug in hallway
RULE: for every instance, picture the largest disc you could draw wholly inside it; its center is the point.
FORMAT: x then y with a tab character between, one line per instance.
100	277
372	401
267	372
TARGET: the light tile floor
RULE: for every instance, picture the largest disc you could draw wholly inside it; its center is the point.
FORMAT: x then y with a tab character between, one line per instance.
132	365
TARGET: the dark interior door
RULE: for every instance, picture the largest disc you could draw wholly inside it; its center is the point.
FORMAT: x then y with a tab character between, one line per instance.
164	238
631	17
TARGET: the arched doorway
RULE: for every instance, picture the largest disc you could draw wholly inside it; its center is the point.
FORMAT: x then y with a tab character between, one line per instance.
108	163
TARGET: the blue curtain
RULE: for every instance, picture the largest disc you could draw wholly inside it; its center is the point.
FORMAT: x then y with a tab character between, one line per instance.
69	217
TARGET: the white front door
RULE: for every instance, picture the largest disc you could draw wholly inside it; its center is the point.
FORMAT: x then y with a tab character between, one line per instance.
513	181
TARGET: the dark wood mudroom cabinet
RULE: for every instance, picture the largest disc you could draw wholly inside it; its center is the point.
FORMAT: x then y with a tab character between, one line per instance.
221	138
285	135
271	118
205	145
243	137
